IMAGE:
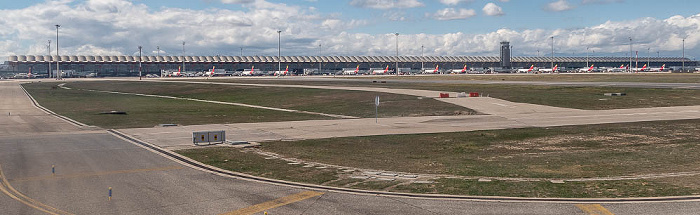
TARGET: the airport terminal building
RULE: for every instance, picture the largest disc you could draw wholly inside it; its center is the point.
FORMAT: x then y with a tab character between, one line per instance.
129	65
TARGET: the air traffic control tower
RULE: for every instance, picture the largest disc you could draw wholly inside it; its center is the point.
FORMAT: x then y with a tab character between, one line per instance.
505	55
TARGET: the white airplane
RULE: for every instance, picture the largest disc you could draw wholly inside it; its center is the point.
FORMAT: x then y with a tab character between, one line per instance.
281	73
590	69
640	69
555	69
348	72
527	70
176	74
459	71
432	71
661	69
211	73
381	72
248	73
622	68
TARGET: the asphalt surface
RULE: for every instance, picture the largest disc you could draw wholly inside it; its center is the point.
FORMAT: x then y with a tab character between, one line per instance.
88	161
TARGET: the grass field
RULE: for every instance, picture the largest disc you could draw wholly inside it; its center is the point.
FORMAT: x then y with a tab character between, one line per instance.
349	103
589	98
141	111
557	152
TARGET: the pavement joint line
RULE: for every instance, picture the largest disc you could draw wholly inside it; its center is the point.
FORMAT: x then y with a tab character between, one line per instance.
275	203
10	191
83	175
593	209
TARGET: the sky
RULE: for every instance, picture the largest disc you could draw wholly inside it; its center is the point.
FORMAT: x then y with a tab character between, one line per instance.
350	27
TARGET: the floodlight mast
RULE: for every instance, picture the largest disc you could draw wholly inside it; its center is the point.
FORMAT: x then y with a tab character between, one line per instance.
279	50
183	56
49	60
58	57
397	53
319	59
629	66
140	47
552	37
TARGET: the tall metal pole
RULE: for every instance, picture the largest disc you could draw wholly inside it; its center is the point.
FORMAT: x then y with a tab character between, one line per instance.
648	57
158	53
683	66
241	51
630	65
587	55
49	60
279	50
552	54
397	53
183	56
421	58
140	62
58	69
319	59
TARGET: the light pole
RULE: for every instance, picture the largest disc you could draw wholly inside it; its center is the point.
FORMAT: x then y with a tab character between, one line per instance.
319	59
657	54
587	55
58	70
140	62
421	58
279	50
49	60
648	57
552	66
683	65
397	53
241	51
630	65
158	53
183	56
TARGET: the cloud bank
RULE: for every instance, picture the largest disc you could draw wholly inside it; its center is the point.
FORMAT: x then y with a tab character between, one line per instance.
114	27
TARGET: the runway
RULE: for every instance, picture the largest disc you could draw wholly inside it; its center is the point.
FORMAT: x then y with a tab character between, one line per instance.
88	161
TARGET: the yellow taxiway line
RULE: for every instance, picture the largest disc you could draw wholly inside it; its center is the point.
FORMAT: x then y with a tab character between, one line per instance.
10	191
275	203
594	209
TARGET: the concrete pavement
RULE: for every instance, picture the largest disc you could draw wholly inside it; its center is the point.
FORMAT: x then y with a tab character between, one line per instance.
88	162
502	114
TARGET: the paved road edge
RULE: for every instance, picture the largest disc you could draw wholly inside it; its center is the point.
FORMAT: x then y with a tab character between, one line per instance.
226	173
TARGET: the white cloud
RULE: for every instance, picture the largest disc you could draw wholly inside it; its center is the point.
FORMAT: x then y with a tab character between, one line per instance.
492	9
600	1
386	4
395	15
452	14
237	1
453	2
117	27
561	5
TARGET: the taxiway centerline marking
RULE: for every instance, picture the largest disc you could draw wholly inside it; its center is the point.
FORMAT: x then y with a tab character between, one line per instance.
594	209
275	203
